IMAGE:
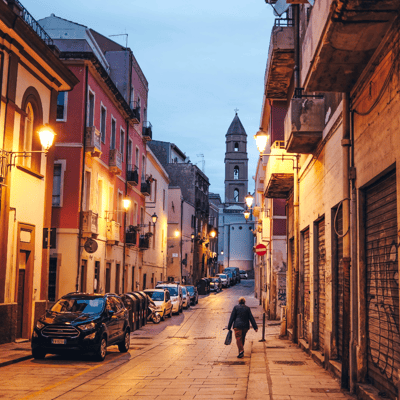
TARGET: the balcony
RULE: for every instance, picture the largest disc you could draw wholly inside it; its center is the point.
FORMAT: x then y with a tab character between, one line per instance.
147	132
144	242
115	162
132	176
340	40
304	124
90	224
113	232
278	73
135	107
131	238
145	188
279	172
93	141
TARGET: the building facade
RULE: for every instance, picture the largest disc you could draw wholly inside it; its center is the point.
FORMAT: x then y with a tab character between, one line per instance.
342	206
31	75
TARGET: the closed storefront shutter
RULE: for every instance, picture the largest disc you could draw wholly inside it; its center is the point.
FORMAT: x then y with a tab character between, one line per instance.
339	294
321	283
306	266
382	285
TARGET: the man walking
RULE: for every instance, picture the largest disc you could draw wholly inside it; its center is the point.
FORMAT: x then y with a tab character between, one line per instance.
240	318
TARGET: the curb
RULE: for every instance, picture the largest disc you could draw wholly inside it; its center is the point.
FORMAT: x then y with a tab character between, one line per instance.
15	361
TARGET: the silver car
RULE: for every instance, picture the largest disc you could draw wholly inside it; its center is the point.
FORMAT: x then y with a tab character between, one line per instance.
225	280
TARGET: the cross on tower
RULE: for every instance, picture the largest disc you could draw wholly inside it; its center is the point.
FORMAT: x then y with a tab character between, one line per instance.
236	110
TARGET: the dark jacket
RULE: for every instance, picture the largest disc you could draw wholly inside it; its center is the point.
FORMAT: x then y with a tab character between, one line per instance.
240	317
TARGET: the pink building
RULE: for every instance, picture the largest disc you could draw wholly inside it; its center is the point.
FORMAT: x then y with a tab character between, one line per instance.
100	160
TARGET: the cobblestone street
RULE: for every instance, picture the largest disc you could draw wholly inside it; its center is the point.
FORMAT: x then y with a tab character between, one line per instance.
181	358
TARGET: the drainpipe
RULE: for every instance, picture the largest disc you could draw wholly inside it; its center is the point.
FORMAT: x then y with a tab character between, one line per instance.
82	179
346	143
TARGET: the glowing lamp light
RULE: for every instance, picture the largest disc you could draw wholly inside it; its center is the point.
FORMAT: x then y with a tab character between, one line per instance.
213	234
176	233
126	203
261	140
154	218
249	200
46	135
222	252
246	214
192	236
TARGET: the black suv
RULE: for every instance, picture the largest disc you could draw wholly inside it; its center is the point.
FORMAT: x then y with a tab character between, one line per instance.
84	322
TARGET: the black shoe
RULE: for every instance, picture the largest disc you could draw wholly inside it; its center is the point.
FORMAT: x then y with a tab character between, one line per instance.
241	354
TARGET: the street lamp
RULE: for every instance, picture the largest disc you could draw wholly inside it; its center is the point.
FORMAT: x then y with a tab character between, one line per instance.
246	214
154	218
176	233
213	234
46	135
126	202
249	200
261	140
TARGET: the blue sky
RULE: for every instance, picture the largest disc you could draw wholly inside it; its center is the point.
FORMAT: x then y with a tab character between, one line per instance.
202	60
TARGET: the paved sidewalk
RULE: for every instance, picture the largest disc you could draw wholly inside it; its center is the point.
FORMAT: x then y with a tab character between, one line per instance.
11	353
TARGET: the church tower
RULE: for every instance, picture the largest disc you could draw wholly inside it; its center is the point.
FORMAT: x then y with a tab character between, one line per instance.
236	164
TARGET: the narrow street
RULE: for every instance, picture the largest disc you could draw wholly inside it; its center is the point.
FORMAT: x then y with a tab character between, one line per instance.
181	358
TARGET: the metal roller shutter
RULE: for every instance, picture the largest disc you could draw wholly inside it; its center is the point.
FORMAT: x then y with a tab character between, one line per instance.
321	284
306	266
292	280
382	285
339	294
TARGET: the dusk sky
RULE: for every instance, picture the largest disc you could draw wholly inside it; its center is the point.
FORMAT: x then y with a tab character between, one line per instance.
201	59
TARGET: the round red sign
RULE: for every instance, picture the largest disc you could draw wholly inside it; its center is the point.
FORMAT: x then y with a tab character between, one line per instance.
261	249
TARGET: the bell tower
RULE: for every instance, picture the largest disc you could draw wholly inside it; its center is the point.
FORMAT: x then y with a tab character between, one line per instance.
236	164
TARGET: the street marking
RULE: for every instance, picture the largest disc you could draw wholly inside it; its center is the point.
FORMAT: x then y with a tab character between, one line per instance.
46	389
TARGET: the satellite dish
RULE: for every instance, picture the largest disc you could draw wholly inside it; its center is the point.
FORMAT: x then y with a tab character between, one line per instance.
280	7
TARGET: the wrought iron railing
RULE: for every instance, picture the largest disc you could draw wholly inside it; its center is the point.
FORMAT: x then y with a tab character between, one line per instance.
29	20
283	22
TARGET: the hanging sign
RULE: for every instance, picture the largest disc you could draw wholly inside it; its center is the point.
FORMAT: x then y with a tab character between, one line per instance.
90	246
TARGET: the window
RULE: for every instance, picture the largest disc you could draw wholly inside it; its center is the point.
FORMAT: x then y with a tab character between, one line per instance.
58	183
119	207
100	204
236	172
96	282
122	143
103	118
137	158
110	198
129	155
62	106
91	109
113	133
135	213
163	200
154	191
143	168
132	98
28	136
86	194
141	215
236	146
145	114
52	284
236	195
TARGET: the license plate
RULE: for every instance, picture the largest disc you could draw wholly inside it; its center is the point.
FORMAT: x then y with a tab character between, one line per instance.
58	341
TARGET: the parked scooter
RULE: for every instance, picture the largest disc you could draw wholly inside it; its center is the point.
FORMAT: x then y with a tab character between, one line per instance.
152	313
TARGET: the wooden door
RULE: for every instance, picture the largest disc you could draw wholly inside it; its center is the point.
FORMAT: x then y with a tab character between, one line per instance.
108	278
20	301
383	339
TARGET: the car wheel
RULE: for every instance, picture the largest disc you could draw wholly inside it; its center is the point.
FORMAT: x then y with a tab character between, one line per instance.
38	354
170	313
156	318
123	346
163	316
101	352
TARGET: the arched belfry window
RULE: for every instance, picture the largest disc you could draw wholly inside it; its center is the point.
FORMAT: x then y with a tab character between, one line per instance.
236	195
236	146
236	172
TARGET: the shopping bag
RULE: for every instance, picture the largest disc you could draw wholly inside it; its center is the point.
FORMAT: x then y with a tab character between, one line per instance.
228	339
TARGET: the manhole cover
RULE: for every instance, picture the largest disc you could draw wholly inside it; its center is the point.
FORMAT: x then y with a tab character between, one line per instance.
230	363
322	390
289	362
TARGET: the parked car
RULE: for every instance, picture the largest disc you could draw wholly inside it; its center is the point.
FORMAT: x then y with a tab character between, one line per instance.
231	277
82	322
185	298
225	280
235	272
243	274
175	291
215	284
193	294
162	300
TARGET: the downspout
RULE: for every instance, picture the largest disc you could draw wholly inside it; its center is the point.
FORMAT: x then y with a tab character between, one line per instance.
346	143
354	270
82	179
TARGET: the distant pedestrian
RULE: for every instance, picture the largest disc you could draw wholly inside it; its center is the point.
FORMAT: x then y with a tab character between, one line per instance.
240	318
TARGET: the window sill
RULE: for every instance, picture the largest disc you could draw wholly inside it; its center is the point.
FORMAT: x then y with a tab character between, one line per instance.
30	172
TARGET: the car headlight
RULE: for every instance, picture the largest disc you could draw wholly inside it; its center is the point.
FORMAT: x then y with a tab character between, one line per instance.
91	336
39	325
86	327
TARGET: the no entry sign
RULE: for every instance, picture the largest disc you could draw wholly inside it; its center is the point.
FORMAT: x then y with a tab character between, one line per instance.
261	249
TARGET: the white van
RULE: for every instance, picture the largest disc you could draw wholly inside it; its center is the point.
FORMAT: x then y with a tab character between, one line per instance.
175	291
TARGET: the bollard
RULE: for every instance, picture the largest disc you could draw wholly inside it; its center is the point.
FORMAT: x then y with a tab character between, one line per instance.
263	330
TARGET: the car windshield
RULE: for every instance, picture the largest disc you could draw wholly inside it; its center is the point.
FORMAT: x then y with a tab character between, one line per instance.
190	289
173	291
183	290
87	306
223	276
156	296
215	279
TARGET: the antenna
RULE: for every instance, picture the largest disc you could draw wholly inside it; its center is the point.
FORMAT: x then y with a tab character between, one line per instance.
122	34
203	161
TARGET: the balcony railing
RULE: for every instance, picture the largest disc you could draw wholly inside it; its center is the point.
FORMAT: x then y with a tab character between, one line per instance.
135	107
132	175
145	188
147	132
131	238
93	141
144	242
30	21
283	22
113	233
115	162
90	224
